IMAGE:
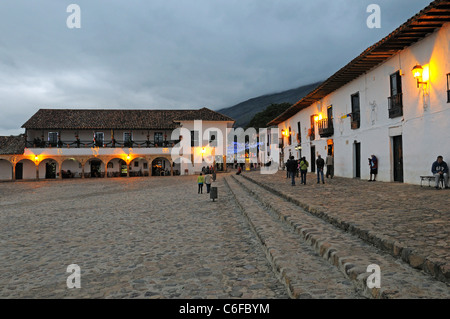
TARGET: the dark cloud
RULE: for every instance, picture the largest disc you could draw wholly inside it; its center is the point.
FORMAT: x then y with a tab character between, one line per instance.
176	54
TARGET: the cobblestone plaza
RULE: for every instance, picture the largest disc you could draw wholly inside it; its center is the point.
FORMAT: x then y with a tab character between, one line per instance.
157	238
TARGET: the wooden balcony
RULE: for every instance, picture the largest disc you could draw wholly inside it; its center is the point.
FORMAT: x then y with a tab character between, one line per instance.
326	128
39	143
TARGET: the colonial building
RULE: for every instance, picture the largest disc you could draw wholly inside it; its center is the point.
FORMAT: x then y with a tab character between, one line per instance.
71	143
393	101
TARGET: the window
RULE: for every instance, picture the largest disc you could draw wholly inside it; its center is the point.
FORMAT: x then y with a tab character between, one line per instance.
127	136
158	138
312	130
99	139
395	101
194	139
290	136
448	88
330	113
212	138
52	138
299	134
136	164
356	112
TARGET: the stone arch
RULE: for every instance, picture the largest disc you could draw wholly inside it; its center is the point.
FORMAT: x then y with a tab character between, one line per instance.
140	166
161	166
49	168
25	168
94	167
116	167
71	168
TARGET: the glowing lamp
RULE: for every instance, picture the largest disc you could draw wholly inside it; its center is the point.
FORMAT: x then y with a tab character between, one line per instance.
316	118
36	159
203	150
128	157
418	74
417	71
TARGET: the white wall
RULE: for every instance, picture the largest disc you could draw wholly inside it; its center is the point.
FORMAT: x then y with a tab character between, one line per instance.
5	170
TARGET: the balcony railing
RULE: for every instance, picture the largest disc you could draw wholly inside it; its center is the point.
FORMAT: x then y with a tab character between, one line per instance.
326	128
395	105
38	143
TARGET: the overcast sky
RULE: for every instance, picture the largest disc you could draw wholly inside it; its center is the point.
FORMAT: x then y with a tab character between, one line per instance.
163	54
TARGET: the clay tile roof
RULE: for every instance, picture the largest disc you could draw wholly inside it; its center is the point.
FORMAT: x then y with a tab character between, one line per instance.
416	28
12	145
117	119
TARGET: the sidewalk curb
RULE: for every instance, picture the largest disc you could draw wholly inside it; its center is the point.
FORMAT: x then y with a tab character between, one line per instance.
436	269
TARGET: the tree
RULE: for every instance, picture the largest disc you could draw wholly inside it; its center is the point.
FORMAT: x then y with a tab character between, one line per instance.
261	119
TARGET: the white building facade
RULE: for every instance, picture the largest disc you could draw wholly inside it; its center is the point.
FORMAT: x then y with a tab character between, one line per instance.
115	143
377	105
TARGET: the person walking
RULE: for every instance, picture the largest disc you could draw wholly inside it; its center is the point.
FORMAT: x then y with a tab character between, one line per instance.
440	170
373	164
287	170
291	166
200	181
208	181
329	160
320	165
303	170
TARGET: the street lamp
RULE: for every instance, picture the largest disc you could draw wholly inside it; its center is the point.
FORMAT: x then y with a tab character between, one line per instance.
418	74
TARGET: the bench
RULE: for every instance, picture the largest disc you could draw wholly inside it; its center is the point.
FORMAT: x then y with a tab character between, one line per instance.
431	178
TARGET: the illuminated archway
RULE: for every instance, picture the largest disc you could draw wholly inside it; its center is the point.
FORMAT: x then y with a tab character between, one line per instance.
139	167
161	166
48	169
94	168
25	169
71	168
117	167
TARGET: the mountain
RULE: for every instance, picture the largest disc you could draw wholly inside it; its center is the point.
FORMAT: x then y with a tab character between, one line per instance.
244	111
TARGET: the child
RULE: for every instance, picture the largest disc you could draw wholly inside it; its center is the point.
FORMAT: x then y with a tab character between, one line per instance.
200	181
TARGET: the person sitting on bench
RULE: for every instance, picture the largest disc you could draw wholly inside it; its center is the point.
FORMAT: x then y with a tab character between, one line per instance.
440	170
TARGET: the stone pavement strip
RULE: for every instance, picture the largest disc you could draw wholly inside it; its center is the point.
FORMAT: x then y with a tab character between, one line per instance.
304	273
407	221
133	238
349	254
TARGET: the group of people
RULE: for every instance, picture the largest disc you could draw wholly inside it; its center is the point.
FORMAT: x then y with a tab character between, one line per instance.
208	169
293	167
207	179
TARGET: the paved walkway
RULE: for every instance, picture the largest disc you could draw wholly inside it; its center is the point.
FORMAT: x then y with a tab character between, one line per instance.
132	238
408	221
